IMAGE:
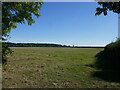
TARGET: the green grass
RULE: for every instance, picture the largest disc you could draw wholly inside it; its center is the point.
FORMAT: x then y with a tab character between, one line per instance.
42	67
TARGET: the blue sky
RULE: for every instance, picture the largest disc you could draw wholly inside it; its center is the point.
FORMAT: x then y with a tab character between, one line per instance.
69	23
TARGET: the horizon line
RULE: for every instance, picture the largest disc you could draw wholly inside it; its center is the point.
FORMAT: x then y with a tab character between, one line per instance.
61	44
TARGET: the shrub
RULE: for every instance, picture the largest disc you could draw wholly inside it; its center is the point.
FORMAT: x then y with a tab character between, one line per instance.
109	58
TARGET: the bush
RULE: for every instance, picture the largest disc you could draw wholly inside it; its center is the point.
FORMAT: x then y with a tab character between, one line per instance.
112	52
108	63
109	58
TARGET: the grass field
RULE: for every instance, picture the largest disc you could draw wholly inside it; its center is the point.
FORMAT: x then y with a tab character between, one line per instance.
42	67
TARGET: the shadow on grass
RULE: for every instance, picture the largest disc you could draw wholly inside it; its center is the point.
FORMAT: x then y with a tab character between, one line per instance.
108	65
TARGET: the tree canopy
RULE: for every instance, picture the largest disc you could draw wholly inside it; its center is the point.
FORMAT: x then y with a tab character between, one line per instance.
108	6
18	12
14	13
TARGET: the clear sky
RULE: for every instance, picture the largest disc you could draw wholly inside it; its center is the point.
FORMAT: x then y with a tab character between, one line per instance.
69	23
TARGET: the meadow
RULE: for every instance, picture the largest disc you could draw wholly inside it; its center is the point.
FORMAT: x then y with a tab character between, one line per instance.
52	67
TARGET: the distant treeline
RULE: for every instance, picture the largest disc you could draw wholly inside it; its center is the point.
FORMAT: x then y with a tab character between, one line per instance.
45	45
33	45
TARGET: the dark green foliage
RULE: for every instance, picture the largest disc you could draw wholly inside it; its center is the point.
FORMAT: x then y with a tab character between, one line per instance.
109	58
108	6
113	53
34	45
45	45
14	13
108	61
18	12
5	50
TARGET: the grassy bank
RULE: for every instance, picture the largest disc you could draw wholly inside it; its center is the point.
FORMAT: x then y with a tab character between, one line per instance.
53	67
